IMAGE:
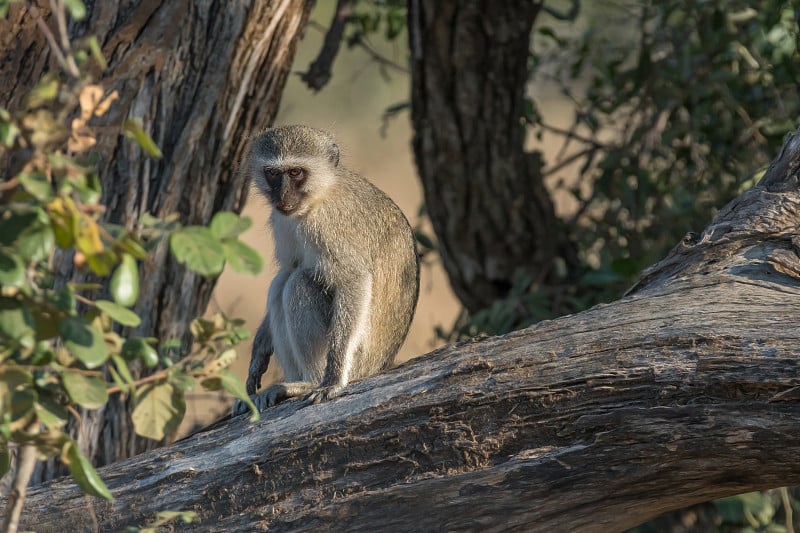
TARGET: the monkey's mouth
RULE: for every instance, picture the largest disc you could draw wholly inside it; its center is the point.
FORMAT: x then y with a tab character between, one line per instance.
286	209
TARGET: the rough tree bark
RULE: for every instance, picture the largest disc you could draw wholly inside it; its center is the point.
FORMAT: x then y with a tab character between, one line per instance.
469	70
685	390
201	75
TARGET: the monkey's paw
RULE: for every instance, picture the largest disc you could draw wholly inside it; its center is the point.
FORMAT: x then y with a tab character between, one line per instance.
270	396
323	394
239	407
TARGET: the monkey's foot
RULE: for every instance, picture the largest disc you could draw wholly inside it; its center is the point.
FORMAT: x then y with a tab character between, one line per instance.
274	394
323	394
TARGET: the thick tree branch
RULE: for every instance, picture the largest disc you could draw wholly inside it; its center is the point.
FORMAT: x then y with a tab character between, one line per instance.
684	391
319	72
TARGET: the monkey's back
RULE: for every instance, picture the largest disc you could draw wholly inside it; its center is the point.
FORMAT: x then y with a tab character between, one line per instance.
381	242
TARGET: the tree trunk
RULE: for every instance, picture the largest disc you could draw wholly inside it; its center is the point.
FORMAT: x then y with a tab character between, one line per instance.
201	76
683	391
486	198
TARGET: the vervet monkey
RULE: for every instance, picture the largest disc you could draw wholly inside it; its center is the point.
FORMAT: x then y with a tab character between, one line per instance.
342	302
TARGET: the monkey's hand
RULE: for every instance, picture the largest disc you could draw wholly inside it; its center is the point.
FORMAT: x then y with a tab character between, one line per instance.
323	394
259	361
259	358
258	365
239	407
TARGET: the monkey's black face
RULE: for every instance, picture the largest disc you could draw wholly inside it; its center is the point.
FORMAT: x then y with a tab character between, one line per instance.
285	188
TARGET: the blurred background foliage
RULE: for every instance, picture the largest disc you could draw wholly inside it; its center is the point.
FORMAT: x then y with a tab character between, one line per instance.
679	106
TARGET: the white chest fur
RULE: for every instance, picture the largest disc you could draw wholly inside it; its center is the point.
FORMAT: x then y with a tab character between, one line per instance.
293	248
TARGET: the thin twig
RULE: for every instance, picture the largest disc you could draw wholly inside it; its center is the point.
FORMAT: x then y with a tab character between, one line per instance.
92	514
84	300
152	377
51	40
567	161
61	19
375	55
380	58
26	460
10	184
571	134
787	509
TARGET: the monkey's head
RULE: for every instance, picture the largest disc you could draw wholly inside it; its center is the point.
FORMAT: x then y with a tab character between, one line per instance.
292	166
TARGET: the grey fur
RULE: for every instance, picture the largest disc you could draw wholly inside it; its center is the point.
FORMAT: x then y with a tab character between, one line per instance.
342	302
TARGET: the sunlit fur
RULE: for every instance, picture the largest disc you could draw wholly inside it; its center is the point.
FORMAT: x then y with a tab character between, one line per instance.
341	304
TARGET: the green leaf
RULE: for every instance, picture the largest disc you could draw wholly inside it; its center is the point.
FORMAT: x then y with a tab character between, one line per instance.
65	299
181	380
198	248
37	240
82	471
233	384
129	244
12	271
126	317
101	263
11	227
84	342
45	91
12	382
242	258
226	225
158	411
37	185
42	355
122	368
87	391
48	418
138	348
15	320
76	9
87	235
62	220
51	413
90	190
134	131
124	284
212	384
8	130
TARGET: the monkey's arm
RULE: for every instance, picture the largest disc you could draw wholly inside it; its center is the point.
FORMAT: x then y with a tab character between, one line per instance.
259	361
349	331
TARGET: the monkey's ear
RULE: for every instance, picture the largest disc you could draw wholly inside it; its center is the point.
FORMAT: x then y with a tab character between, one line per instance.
334	154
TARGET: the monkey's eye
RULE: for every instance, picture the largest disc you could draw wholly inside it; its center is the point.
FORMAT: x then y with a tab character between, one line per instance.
273	171
295	172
